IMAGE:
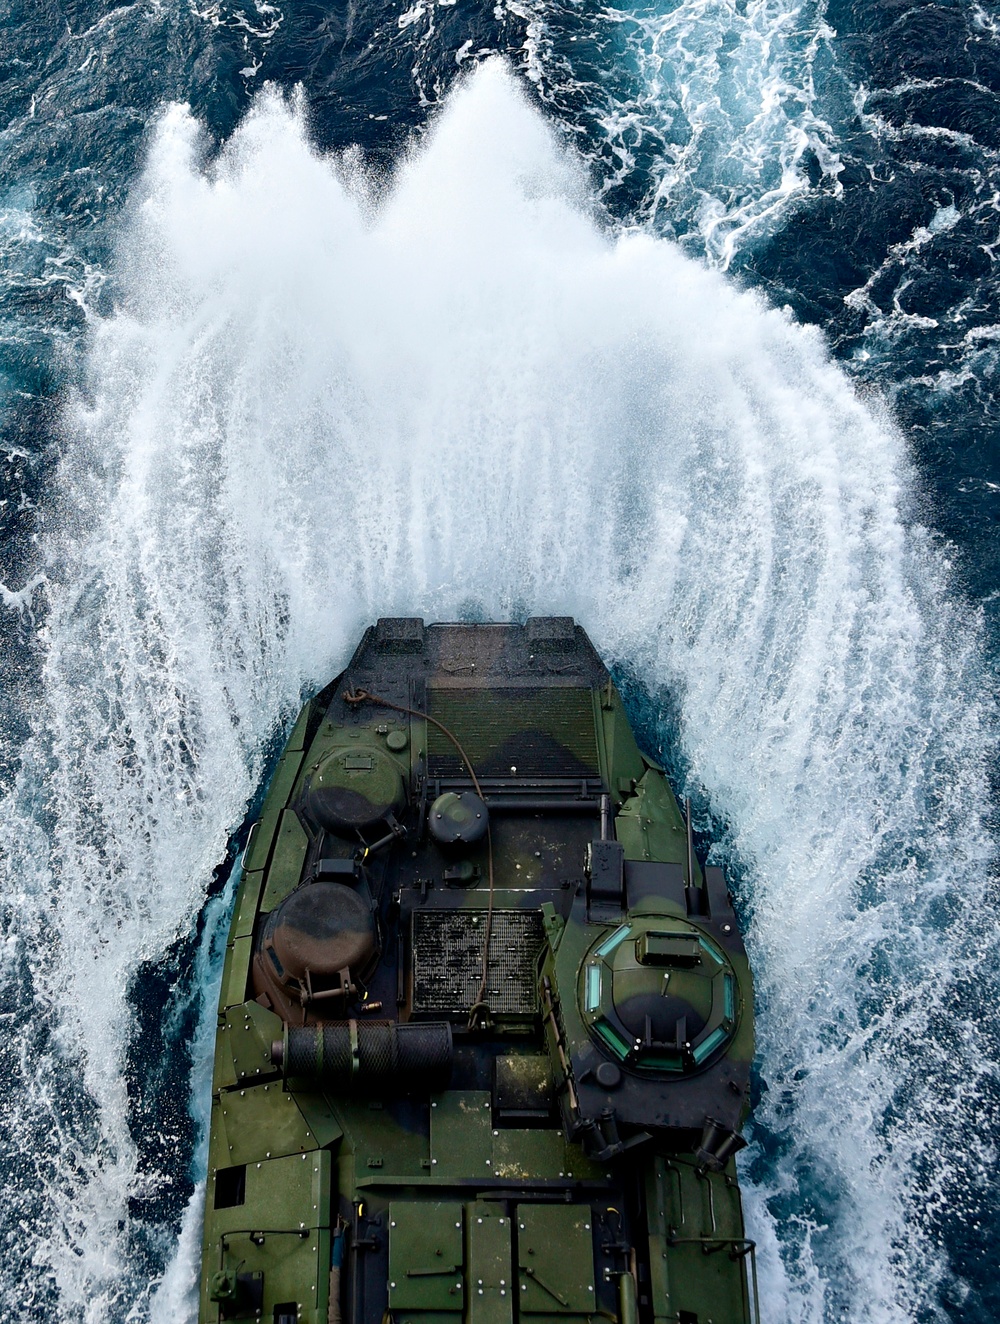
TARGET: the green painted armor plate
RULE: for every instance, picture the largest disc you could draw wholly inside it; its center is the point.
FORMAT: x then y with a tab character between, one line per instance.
486	1023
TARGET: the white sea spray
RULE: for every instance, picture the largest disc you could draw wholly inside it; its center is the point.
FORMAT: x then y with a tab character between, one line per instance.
307	411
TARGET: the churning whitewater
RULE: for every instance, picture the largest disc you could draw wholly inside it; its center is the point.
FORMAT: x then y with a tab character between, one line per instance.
324	396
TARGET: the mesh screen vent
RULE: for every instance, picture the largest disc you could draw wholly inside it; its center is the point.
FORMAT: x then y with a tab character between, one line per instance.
541	732
448	961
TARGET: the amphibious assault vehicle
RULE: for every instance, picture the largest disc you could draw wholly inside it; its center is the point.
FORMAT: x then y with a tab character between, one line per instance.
485	1027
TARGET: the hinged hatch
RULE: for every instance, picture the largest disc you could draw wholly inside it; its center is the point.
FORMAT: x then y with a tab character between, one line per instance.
425	1255
555	1256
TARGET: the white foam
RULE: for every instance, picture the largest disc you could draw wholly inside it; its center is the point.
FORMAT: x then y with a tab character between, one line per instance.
306	413
713	115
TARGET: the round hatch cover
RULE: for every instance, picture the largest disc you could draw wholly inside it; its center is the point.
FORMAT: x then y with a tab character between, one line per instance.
322	928
351	790
458	818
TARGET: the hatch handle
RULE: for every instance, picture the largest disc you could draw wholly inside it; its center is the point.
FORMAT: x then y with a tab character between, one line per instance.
531	1273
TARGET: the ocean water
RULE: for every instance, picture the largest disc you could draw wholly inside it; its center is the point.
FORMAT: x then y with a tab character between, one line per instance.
682	319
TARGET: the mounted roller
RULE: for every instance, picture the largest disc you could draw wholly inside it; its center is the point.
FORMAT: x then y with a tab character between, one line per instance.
368	1056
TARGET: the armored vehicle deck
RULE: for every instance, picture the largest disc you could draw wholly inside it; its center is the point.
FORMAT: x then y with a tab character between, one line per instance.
485	1027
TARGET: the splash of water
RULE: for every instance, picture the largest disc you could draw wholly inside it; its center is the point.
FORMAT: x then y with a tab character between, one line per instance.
317	403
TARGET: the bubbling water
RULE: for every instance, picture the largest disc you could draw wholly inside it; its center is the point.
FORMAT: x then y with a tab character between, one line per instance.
323	398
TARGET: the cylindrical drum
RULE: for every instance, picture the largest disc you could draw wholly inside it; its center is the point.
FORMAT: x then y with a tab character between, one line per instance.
368	1055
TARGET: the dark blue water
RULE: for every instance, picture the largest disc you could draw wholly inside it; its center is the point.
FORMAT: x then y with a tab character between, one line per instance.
840	161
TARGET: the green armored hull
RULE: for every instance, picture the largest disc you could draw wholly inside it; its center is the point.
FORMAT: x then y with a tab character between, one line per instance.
485	1028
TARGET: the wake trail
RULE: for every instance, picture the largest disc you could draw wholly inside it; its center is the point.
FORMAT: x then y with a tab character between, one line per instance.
323	398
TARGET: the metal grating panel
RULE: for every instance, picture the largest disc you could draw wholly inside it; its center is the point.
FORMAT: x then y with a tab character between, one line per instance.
448	960
540	732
